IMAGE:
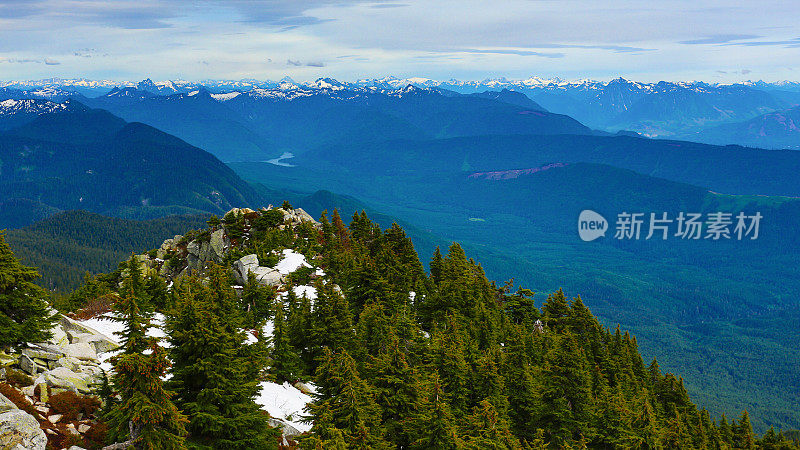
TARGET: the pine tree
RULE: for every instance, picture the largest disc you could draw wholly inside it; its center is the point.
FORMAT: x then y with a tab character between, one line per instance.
24	315
215	374
434	426
566	393
345	402
743	436
286	365
397	387
487	429
256	302
331	321
145	415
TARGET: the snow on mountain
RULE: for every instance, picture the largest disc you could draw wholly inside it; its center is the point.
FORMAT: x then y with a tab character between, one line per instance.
226	96
30	106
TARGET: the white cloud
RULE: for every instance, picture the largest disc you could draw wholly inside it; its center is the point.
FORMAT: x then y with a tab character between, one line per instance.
445	38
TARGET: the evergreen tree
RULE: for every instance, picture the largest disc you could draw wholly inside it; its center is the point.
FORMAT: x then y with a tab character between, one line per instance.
286	365
434	426
145	415
256	302
24	315
397	387
486	429
345	402
215	374
743	436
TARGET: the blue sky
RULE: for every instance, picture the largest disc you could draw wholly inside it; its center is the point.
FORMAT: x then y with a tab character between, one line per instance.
716	41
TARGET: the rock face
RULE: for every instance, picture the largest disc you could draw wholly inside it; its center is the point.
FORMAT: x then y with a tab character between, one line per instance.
266	276
69	361
20	431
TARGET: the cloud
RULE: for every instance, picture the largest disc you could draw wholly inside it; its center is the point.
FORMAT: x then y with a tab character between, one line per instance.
720	39
784	43
512	52
46	61
85	52
291	14
297	63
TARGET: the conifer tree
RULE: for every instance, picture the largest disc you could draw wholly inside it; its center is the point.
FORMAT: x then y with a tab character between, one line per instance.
487	429
566	392
215	374
345	402
397	387
286	365
144	416
24	315
433	425
256	302
743	436
331	321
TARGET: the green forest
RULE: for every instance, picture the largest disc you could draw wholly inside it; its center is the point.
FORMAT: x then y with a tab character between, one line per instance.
400	357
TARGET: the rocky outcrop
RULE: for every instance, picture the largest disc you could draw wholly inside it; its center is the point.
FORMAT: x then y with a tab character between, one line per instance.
266	276
20	431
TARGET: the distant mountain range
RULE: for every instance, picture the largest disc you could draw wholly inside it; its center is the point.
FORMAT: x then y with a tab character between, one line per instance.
682	110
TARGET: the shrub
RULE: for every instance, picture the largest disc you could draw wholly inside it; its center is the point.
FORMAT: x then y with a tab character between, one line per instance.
95	438
18	378
18	399
70	404
268	219
301	276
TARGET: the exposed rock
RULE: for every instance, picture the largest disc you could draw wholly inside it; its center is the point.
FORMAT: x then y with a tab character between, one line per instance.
43	354
6	359
20	430
217	245
100	342
287	430
266	276
6	404
55	418
61	377
59	338
303	216
83	428
81	350
304	388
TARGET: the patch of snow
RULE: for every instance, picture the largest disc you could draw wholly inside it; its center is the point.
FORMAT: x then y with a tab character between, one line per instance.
291	261
309	292
285	402
193	93
226	96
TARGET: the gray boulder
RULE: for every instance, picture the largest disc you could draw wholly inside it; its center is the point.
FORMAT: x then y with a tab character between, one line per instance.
217	245
287	430
6	404
81	350
20	430
266	276
303	216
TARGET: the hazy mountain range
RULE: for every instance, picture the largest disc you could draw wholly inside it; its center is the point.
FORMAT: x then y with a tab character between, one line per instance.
502	166
682	110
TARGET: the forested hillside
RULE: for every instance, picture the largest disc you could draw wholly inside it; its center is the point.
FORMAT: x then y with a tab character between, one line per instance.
66	246
399	358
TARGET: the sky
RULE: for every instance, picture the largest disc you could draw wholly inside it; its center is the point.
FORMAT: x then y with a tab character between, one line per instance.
673	40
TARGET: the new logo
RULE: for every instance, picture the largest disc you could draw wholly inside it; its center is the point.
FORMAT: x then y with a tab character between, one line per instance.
591	225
